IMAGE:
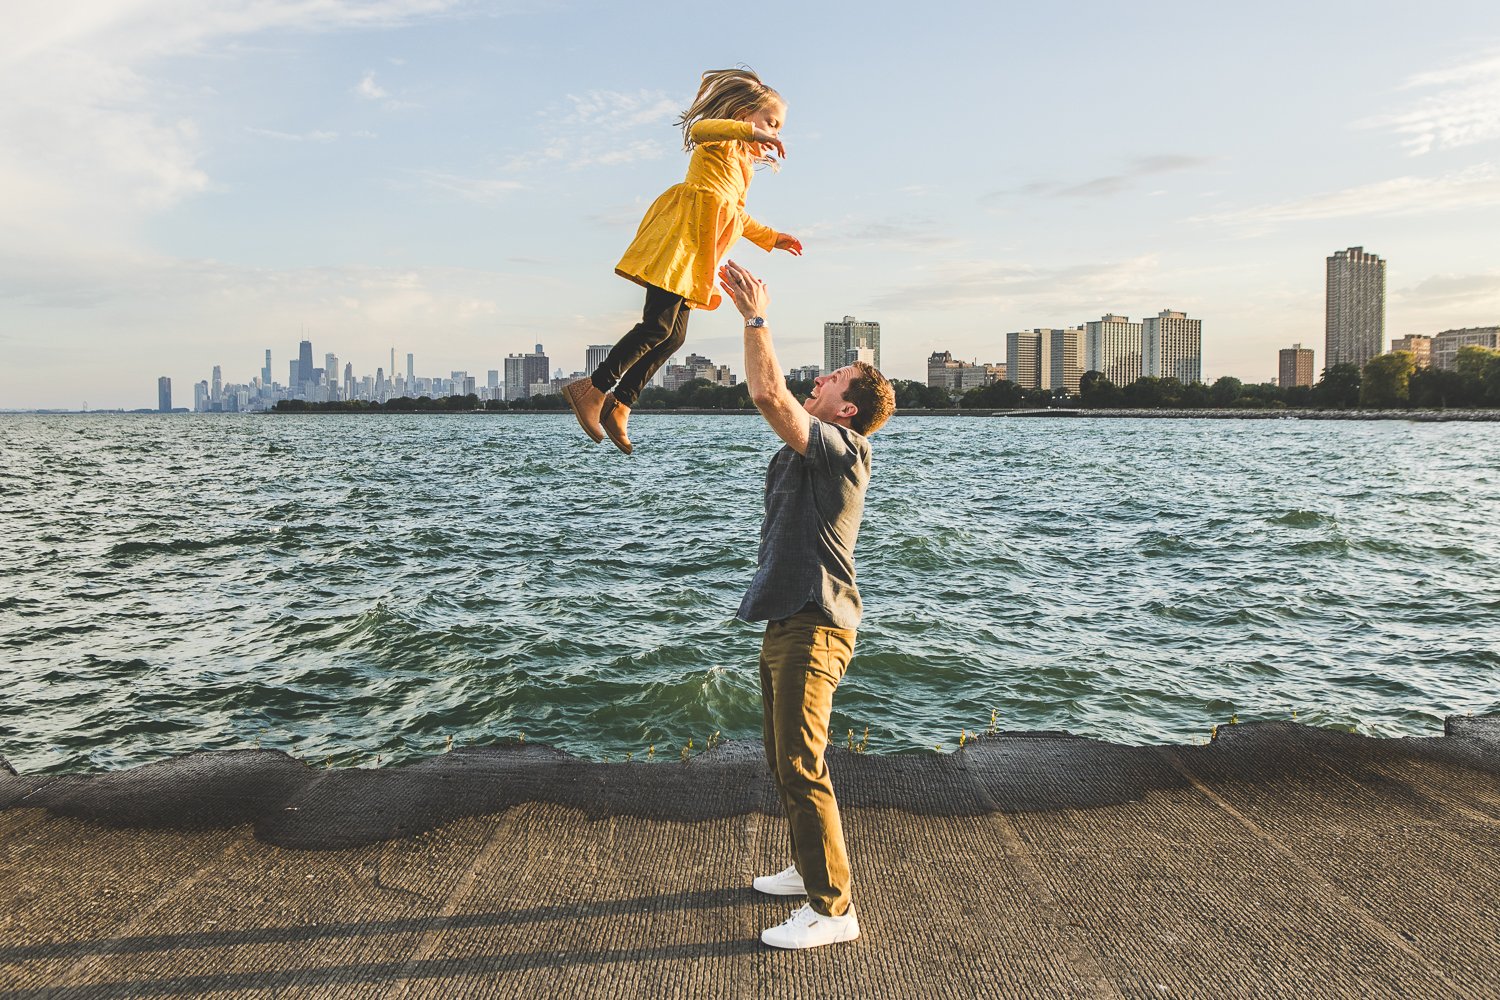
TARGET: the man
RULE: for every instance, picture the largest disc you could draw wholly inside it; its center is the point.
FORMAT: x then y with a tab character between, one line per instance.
804	590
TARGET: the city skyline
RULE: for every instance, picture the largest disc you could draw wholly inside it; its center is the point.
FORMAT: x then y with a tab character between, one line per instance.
187	184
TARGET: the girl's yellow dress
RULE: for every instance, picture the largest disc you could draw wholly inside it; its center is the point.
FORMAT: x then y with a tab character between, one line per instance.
688	230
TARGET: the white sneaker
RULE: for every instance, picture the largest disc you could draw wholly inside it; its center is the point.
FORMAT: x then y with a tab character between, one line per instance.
783	883
810	929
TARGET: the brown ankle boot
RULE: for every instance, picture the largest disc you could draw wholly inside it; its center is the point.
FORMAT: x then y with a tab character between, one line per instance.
586	402
616	414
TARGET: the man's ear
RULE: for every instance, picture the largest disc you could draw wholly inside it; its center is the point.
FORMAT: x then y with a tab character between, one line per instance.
847	410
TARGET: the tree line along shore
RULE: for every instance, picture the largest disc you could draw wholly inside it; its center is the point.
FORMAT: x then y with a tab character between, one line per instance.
1389	385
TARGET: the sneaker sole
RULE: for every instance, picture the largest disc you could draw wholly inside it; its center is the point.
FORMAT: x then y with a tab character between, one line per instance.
805	947
778	891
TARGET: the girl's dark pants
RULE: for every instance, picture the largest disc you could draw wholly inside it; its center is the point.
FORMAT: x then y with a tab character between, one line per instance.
661	331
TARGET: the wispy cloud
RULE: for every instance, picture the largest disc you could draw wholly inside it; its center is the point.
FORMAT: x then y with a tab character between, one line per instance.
1108	185
93	142
270	133
1479	292
1065	293
1474	187
1463	110
476	189
852	231
369	89
604	128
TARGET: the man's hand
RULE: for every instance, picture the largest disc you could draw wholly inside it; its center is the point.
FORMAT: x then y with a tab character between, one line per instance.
748	292
789	243
763	376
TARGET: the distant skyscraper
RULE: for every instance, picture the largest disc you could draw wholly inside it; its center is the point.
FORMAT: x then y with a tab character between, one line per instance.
1355	322
200	397
411	373
1296	367
842	343
216	390
348	380
1172	347
594	357
522	371
265	373
163	395
304	363
1112	346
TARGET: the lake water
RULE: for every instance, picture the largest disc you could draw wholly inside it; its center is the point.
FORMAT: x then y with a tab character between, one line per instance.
359	589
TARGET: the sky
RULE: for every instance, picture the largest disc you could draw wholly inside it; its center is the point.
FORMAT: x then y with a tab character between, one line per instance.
186	183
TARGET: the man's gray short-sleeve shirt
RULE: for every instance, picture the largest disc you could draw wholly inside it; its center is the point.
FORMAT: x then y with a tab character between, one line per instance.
814	503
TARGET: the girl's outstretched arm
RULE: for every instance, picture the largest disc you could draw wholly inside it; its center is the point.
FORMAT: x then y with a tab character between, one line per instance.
721	130
731	129
760	234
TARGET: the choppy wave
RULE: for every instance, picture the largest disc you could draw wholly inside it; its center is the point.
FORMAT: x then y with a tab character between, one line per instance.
360	590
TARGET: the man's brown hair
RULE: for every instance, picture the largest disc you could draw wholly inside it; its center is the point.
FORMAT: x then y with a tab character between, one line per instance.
872	394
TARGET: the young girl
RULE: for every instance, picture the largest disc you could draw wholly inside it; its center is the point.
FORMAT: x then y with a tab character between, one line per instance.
734	123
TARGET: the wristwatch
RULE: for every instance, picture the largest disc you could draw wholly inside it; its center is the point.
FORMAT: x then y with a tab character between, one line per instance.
756	322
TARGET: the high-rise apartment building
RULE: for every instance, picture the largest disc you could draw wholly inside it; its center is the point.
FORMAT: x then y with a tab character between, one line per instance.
1045	358
1417	345
522	371
348	380
849	341
594	357
411	373
164	395
1112	346
1172	347
200	397
1026	357
1446	345
1065	352
1355	322
265	373
1296	367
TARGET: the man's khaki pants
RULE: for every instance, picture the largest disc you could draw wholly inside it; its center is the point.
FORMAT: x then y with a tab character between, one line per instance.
802	660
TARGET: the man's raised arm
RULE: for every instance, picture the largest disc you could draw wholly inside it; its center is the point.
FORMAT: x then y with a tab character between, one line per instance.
768	389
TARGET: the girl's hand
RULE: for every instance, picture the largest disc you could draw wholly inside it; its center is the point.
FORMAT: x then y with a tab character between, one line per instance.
789	243
765	138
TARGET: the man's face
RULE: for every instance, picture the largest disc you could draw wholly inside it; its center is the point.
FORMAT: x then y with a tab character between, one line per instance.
827	400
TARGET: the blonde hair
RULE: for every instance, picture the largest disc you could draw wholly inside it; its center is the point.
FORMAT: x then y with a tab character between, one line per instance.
726	93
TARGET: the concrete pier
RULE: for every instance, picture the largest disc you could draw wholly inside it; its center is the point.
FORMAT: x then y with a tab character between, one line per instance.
1277	861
